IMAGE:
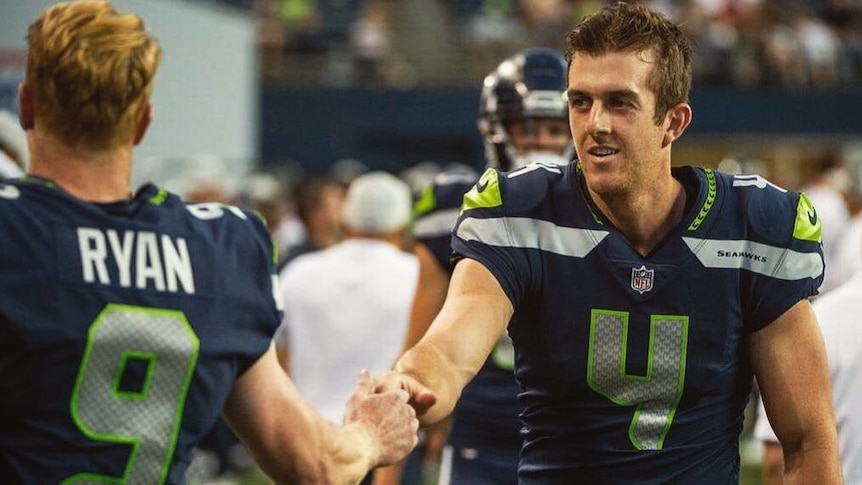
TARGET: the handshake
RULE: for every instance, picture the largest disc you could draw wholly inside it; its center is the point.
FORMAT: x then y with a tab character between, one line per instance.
387	409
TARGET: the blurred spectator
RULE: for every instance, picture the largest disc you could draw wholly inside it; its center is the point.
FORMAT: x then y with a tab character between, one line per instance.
346	308
493	32
745	43
318	202
377	62
547	21
821	50
265	193
783	62
346	170
202	177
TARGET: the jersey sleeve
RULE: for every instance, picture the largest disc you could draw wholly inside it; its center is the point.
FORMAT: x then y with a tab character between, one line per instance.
788	224
484	232
261	301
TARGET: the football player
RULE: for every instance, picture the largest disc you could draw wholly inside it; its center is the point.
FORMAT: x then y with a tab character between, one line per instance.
130	321
641	299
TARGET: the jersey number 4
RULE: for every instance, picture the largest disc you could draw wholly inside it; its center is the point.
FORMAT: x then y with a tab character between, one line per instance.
655	395
163	347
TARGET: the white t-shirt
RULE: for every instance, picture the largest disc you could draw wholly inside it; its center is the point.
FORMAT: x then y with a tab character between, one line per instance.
839	313
833	213
346	308
846	256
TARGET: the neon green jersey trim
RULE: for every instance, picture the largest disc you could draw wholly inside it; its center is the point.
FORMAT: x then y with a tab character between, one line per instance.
807	226
486	192
426	203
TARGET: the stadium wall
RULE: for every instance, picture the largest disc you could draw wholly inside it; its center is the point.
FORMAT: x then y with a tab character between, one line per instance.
393	129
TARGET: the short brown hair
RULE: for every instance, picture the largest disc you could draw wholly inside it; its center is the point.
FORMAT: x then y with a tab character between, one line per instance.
628	27
90	71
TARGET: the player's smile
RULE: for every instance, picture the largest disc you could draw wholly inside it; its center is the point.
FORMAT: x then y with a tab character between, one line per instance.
602	152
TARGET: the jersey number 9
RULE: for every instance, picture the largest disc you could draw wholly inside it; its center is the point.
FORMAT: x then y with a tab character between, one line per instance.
163	347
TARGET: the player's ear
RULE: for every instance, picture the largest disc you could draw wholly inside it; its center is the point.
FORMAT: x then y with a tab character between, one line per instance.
678	119
144	123
25	107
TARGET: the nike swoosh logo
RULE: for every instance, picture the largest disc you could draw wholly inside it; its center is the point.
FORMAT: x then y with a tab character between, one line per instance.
812	218
481	185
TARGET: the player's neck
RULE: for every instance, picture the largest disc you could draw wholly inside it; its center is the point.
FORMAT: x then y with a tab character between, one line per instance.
95	176
646	217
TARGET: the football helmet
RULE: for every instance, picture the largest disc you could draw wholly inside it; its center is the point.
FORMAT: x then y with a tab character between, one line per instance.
524	89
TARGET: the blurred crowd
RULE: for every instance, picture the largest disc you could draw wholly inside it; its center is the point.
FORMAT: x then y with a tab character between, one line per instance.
303	207
800	44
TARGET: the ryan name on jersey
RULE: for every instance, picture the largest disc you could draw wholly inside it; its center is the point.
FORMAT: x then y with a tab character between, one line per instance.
135	259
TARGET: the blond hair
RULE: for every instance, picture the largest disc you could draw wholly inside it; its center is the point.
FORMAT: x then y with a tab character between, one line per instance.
90	71
628	27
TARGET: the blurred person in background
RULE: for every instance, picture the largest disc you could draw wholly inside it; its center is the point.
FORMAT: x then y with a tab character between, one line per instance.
523	119
265	194
347	306
130	321
641	297
209	179
492	30
318	201
376	61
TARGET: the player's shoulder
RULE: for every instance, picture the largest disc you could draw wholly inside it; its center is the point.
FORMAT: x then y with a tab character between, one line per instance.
227	226
28	197
228	217
516	191
771	211
753	189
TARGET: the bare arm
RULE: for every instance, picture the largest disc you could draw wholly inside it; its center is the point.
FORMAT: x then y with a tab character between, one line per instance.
789	360
294	444
772	461
451	352
772	467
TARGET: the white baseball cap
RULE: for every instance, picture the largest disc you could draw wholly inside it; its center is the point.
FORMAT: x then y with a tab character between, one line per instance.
377	203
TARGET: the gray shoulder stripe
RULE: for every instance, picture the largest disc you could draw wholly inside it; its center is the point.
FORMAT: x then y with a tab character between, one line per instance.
439	223
781	263
522	232
776	262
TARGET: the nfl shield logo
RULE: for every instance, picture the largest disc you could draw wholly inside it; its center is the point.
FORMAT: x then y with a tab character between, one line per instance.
642	279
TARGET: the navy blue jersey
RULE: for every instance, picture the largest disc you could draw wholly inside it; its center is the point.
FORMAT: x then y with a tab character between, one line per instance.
488	405
633	369
436	211
122	330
